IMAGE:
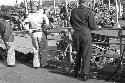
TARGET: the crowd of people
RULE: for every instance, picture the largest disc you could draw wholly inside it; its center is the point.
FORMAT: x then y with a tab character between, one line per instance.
104	15
59	17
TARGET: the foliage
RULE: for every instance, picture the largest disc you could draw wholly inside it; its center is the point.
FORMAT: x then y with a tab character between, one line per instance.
6	9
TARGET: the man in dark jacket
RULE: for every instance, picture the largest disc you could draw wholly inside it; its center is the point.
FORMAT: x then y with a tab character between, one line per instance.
6	32
82	20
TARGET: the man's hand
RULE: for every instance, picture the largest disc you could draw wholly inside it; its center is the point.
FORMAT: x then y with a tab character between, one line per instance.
29	31
45	31
99	27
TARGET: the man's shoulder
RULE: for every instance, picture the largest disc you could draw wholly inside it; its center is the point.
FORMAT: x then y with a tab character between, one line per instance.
43	15
3	21
74	9
78	8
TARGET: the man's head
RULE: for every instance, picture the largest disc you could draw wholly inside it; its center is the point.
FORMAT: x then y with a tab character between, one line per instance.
82	1
6	16
40	11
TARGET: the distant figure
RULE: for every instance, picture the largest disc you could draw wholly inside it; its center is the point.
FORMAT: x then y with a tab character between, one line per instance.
38	23
6	31
63	15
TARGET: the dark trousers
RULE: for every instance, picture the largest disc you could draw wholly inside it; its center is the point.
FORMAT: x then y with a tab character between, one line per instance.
83	46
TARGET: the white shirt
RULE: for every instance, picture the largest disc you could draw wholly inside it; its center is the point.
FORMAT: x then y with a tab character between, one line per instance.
36	20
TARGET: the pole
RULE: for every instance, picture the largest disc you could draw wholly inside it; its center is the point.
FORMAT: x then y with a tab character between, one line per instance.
26	7
102	1
77	3
16	6
39	4
94	2
120	7
66	5
70	46
54	3
109	4
117	10
31	6
117	25
16	2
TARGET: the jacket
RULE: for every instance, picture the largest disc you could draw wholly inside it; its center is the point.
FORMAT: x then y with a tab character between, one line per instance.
82	19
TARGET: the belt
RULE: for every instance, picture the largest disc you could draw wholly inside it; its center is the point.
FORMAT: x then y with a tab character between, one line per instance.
83	33
36	30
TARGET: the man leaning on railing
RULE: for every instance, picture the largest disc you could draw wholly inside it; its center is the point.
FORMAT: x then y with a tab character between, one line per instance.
38	23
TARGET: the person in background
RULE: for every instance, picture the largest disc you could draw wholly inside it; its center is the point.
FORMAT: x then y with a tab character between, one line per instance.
82	21
37	29
63	15
6	32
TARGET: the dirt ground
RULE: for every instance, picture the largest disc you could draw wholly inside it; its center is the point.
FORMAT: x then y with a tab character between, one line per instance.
25	73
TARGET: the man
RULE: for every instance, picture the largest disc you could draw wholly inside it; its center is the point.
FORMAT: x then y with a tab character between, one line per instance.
36	29
82	21
6	31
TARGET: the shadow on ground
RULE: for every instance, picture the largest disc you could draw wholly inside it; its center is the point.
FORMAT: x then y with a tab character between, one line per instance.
62	71
3	56
25	59
20	57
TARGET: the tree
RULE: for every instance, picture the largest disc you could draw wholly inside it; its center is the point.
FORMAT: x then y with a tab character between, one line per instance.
3	8
6	9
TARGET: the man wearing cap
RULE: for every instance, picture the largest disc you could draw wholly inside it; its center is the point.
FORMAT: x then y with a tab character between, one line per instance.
6	31
82	21
36	29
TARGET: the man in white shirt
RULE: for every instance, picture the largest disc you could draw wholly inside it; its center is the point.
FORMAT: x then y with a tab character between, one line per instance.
36	29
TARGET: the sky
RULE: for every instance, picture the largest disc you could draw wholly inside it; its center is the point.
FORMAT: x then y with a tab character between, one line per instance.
11	2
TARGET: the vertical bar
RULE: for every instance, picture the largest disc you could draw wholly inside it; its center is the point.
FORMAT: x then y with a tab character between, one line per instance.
54	3
70	45
26	7
117	25
120	7
109	4
31	6
102	1
16	2
94	2
77	3
121	51
16	5
39	4
66	5
66	2
117	9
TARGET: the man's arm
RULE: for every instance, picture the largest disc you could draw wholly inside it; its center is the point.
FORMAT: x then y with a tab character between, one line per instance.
92	21
46	20
71	18
8	32
26	23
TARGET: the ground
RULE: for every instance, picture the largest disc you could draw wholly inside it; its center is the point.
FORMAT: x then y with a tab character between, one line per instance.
25	73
